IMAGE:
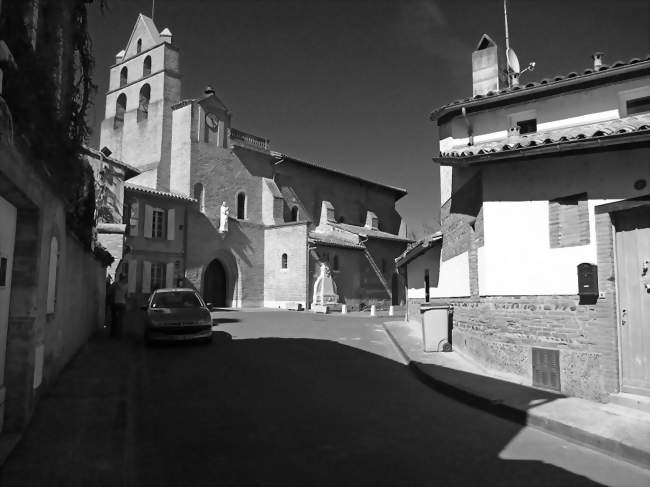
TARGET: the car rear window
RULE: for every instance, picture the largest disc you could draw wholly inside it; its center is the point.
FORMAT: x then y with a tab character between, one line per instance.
176	299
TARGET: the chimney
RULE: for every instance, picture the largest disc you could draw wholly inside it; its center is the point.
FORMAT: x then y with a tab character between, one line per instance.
486	64
166	36
327	213
119	56
598	60
208	91
372	222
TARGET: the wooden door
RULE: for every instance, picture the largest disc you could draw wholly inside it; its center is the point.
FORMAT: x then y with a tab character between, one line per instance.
632	253
7	240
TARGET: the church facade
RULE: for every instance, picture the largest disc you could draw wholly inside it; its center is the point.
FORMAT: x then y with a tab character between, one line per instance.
215	207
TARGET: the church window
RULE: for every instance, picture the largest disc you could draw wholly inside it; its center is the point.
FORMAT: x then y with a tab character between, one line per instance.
124	76
285	261
241	206
199	195
143	107
138	46
335	263
146	67
294	214
120	108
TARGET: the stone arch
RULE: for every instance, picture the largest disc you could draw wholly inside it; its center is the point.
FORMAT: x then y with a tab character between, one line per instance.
120	109
222	270
146	66
143	105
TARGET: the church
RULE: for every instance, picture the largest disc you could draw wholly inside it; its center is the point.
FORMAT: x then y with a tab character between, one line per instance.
215	207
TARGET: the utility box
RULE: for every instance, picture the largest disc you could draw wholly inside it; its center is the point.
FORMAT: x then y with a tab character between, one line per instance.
588	280
436	328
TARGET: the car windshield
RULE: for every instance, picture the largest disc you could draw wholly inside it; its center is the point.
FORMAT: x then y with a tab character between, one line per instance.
176	299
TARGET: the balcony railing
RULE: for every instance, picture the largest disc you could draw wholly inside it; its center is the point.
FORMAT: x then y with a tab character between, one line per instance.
237	136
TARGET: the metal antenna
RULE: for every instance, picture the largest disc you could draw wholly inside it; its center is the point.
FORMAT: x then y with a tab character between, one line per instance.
153	9
505	15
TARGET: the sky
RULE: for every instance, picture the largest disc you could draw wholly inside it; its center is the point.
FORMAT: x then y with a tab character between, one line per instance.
350	83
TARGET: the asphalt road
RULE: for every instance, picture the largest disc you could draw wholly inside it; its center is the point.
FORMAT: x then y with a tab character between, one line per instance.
280	399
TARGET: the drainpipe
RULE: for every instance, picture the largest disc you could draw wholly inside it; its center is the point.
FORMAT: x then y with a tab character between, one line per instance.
470	131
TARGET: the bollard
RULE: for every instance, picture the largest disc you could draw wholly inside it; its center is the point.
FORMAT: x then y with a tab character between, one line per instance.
391	311
344	309
373	310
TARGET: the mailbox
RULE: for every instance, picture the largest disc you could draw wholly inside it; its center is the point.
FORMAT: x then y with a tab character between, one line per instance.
588	280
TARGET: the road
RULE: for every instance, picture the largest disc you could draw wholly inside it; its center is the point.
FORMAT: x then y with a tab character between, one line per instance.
280	398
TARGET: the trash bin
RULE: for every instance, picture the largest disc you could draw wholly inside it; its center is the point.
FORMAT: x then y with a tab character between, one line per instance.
436	328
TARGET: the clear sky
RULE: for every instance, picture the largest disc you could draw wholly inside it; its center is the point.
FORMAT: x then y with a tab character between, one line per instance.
350	83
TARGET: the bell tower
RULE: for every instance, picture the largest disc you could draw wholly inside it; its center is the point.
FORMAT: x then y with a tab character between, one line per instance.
144	84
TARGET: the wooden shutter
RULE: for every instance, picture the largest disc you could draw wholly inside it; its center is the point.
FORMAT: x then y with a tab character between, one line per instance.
169	275
546	368
51	282
133	269
146	276
134	219
171	224
148	221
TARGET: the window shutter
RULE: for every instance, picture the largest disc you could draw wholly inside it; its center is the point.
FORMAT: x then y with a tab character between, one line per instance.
148	221
171	224
133	268
169	275
51	282
134	220
146	276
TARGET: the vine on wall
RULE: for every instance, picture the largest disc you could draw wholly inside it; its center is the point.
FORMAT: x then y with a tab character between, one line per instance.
49	96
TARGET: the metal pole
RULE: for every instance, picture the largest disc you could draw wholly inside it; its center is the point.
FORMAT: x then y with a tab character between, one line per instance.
505	15
153	9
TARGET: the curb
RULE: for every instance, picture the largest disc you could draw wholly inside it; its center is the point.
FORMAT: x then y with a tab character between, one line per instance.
609	446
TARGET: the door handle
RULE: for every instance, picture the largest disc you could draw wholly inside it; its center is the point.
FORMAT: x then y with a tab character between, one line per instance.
623	317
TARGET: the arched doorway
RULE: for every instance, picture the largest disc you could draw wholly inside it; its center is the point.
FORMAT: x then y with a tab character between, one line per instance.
395	289
215	284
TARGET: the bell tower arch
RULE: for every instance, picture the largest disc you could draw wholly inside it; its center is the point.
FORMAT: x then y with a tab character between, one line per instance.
144	84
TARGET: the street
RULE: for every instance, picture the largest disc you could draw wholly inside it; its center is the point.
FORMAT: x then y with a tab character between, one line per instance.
280	398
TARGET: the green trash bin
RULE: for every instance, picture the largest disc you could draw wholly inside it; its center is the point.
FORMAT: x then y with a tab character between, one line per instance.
436	327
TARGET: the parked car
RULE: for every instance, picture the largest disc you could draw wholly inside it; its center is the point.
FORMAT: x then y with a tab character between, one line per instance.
177	314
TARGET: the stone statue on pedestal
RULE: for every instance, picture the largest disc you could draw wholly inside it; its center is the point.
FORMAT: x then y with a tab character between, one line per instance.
223	218
325	288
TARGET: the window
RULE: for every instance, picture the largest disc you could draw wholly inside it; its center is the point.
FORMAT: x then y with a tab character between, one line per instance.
241	206
568	221
375	223
124	75
199	195
157	275
284	261
138	46
335	263
638	105
426	285
146	66
120	108
143	107
527	126
3	271
51	280
294	214
158	224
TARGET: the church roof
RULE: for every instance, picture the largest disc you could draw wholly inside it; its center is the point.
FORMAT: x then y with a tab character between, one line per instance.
400	192
368	232
331	240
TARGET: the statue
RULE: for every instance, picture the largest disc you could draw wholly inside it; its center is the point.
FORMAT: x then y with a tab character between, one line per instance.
223	218
325	287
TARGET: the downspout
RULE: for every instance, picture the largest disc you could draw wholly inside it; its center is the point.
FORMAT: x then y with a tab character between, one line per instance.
470	130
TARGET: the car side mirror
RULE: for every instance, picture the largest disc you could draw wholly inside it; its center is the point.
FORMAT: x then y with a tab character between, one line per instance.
209	305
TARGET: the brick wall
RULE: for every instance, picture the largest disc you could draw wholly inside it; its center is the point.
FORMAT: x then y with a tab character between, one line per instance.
290	284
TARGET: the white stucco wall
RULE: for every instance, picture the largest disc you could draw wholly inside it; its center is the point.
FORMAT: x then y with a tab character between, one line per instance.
453	280
517	259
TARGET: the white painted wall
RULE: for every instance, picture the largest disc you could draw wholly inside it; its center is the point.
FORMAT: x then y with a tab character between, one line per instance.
517	258
453	281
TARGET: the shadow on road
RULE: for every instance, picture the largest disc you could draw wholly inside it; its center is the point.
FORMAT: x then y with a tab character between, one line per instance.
265	411
221	321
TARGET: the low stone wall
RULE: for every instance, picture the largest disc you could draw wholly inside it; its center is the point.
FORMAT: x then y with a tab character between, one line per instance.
500	331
